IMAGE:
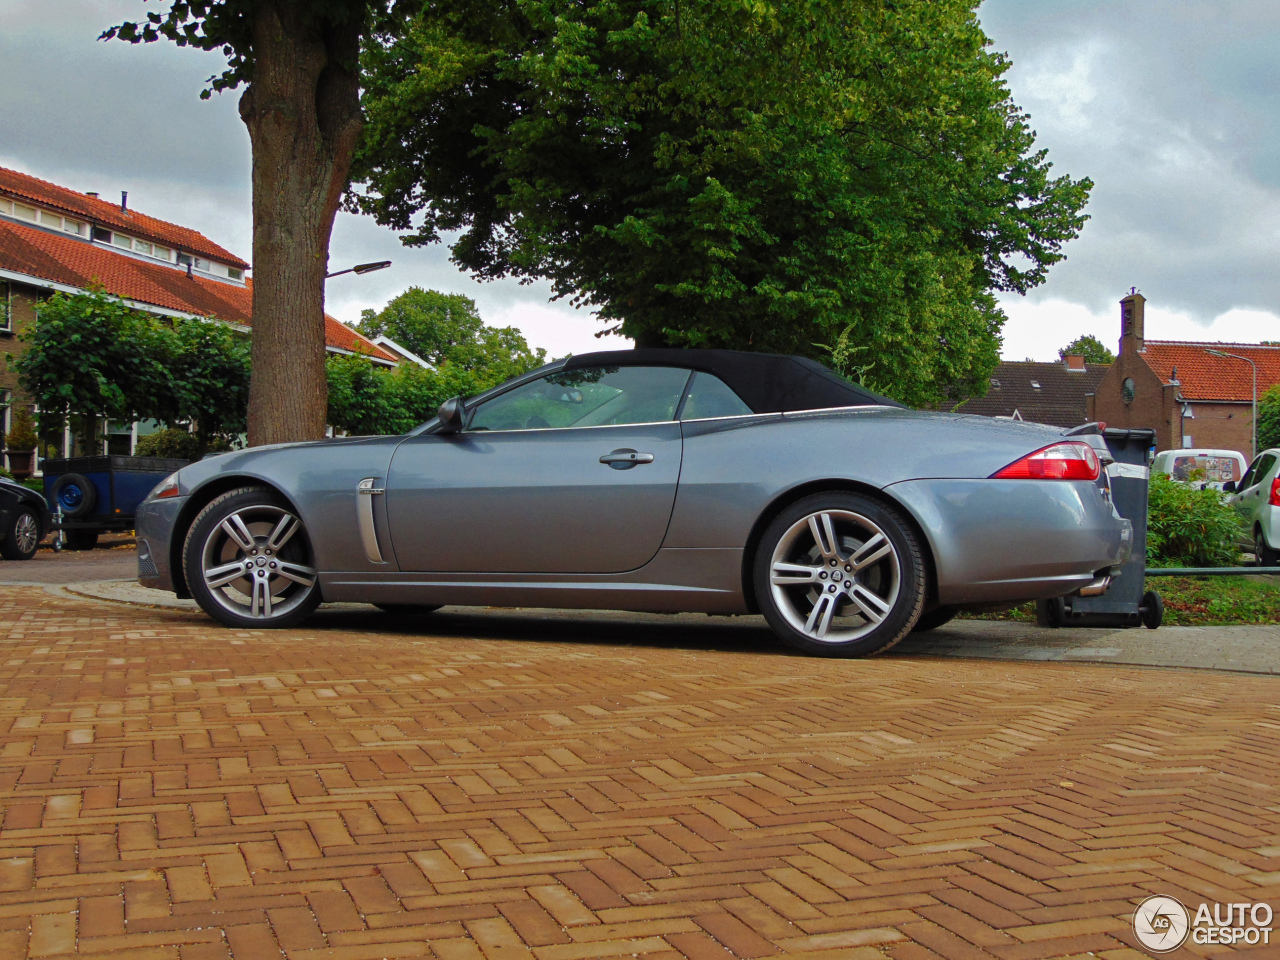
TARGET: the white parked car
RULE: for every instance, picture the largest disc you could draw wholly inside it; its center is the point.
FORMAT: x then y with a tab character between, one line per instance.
1208	468
1256	497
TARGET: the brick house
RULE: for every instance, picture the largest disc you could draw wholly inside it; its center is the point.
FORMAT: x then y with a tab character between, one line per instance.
55	239
1052	393
1189	396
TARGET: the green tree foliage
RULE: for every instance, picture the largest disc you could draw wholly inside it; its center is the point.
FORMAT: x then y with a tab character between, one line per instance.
1091	348
208	366
365	398
1269	418
173	443
1190	527
444	328
89	356
707	173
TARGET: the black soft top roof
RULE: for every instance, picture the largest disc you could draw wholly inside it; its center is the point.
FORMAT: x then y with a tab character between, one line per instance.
766	382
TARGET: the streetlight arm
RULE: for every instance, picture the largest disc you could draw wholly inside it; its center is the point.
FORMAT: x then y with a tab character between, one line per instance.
1233	356
361	268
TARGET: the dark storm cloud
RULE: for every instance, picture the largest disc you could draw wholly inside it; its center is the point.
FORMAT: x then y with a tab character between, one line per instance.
1173	109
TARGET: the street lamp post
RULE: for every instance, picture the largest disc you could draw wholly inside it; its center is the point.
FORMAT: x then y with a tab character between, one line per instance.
1218	353
360	269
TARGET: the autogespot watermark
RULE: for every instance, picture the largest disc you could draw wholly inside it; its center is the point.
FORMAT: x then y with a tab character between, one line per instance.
1163	924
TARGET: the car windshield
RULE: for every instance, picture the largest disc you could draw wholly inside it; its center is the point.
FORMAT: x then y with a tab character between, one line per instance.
593	396
1212	469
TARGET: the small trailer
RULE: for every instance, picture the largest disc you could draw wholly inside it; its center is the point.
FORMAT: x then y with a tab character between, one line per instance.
92	495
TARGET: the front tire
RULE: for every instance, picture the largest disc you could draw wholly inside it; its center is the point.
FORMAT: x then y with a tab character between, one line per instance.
249	562
22	536
840	575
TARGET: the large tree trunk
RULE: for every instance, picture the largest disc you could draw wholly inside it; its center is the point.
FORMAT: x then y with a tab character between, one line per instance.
302	109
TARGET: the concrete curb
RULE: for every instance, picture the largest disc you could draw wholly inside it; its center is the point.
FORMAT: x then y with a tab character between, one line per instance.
1244	649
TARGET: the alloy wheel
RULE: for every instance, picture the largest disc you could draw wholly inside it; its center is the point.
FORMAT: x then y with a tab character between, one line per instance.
835	576
255	564
26	532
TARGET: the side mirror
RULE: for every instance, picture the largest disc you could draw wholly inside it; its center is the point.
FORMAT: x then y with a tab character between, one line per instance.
1229	487
451	414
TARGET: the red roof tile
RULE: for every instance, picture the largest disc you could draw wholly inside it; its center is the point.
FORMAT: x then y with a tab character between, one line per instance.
1206	377
109	214
65	260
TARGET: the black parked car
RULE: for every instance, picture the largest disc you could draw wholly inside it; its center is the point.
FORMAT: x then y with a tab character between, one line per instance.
24	520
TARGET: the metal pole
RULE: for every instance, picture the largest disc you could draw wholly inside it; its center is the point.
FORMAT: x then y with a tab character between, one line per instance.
1254	443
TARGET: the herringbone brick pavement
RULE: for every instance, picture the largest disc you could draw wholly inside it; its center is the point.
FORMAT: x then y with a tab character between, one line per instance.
172	789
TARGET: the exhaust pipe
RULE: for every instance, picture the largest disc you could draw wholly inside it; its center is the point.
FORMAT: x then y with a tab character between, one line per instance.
1097	587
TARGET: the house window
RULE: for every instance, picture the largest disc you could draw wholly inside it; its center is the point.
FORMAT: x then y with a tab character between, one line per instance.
184	259
6	307
6	206
141	246
101	235
1035	384
1127	390
24	212
122	241
50	219
73	226
202	264
161	253
235	273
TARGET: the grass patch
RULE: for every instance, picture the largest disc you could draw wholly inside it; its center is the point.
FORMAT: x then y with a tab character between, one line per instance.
1194	602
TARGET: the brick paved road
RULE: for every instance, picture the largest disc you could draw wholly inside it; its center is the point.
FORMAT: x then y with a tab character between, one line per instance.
363	788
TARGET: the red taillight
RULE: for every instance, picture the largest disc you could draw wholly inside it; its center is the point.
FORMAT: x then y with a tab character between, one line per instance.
1061	461
1274	499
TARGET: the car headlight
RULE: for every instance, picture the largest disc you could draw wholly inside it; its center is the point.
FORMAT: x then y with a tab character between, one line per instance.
168	487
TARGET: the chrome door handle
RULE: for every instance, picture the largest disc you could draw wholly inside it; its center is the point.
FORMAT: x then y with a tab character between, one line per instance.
625	459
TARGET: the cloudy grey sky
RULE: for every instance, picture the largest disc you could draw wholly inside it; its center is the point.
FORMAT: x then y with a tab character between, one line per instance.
1172	108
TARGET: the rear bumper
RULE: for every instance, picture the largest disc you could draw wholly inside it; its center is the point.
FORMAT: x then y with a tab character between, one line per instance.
154	524
996	541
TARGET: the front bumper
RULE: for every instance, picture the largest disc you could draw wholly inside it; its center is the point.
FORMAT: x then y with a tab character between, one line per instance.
154	524
1007	541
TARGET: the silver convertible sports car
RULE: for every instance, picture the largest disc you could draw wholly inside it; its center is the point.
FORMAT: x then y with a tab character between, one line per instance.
655	480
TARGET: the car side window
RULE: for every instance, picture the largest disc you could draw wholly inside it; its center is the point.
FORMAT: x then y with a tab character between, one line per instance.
589	397
710	397
1265	463
1247	480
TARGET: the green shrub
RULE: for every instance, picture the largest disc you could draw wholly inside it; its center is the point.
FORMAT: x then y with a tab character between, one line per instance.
22	433
1190	527
172	444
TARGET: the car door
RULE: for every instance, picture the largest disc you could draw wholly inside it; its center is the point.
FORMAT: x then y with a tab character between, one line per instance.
575	472
1251	495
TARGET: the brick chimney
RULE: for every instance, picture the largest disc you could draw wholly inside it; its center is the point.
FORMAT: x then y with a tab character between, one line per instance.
1131	323
1074	363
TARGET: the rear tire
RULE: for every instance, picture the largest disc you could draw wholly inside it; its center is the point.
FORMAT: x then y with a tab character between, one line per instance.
935	618
249	562
81	539
1267	556
22	535
840	575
